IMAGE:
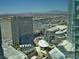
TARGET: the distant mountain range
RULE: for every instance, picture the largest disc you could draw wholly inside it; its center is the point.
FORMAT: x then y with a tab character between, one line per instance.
36	14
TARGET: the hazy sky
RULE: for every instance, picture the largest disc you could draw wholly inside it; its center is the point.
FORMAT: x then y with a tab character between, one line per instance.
18	6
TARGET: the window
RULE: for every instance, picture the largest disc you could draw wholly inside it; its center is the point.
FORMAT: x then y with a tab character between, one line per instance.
77	22
77	30
77	11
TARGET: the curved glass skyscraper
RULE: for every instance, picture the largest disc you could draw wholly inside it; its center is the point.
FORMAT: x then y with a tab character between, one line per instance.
73	29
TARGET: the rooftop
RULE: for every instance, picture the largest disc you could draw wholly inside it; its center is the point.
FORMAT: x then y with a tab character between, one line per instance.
56	53
52	29
67	45
11	53
57	27
59	32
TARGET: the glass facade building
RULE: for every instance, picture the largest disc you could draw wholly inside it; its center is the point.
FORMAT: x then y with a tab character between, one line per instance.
76	20
73	29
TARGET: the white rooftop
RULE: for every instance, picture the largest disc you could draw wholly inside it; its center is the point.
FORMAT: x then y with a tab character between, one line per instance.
43	43
11	53
52	29
59	32
67	45
65	30
56	53
61	27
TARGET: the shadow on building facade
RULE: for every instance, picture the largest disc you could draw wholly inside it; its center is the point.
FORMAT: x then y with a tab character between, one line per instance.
1	49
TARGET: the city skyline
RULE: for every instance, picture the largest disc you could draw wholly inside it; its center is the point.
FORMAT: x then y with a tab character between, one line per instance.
19	6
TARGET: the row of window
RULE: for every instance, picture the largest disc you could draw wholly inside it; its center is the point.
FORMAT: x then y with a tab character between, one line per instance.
77	2
77	28
77	55
76	21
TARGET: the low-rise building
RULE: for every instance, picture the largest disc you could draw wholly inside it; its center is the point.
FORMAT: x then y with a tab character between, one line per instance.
11	53
55	31
69	49
55	54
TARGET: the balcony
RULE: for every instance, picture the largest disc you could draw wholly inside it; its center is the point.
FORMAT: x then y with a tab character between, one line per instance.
77	8
77	55
77	47
77	0
76	26
76	22
77	16
77	30
77	33
77	41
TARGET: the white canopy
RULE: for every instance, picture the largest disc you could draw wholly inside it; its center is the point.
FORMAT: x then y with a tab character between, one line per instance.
43	43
